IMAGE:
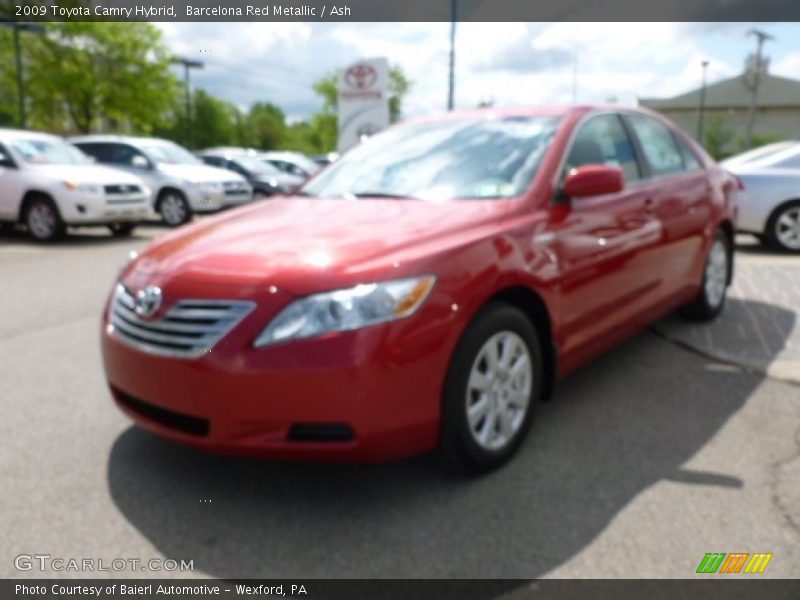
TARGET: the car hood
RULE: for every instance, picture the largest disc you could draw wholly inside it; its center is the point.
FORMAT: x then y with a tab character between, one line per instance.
198	173
303	245
90	173
284	179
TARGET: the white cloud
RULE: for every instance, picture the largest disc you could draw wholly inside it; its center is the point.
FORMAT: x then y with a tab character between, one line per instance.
787	66
512	63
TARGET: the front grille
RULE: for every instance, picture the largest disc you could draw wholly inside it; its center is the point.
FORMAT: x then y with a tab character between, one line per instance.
122	189
189	329
162	416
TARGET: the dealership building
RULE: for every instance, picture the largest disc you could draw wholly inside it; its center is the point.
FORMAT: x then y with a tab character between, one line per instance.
728	102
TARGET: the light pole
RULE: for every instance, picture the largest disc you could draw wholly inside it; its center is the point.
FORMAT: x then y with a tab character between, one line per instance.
575	77
187	65
701	116
453	19
19	27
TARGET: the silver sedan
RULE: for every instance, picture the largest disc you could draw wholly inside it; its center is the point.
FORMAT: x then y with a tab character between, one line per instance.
769	206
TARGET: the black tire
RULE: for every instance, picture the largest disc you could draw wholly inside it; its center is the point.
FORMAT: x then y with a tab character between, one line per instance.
174	208
772	230
706	306
42	219
122	229
459	450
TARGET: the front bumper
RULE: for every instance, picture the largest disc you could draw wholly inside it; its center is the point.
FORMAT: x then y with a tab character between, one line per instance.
382	384
78	208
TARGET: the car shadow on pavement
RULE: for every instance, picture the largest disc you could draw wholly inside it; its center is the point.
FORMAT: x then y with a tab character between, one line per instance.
616	427
74	238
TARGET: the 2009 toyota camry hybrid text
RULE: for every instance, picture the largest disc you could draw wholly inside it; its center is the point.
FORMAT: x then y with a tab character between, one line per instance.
423	292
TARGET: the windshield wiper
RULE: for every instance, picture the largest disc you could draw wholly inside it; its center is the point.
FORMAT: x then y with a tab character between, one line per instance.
369	194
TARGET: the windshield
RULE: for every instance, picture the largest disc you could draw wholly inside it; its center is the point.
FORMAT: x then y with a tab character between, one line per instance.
170	154
445	160
256	166
42	151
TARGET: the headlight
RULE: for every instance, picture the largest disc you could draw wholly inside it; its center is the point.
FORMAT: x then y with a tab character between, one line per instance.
87	188
206	186
348	309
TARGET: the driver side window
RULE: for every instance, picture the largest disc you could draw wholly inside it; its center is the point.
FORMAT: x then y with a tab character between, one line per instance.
603	140
128	156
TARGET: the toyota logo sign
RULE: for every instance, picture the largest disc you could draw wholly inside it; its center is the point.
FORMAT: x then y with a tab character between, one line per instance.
361	76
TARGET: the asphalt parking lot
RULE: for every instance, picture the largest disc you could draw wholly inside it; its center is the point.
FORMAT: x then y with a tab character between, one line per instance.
647	459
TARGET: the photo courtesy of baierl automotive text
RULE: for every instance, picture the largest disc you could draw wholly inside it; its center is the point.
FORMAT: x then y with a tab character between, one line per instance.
451	299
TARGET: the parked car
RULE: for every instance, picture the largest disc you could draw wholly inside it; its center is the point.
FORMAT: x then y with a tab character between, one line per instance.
770	205
181	184
265	179
292	163
424	291
47	184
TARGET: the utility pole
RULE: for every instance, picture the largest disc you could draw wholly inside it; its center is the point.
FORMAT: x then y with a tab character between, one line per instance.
18	28
755	67
188	64
453	19
701	116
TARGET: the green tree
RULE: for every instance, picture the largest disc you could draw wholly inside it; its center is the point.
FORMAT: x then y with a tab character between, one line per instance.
214	120
717	137
85	76
266	125
8	86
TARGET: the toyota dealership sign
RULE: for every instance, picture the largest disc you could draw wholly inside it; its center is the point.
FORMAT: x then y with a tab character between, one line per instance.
363	101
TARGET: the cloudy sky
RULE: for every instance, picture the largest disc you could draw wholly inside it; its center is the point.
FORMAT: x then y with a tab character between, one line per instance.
509	63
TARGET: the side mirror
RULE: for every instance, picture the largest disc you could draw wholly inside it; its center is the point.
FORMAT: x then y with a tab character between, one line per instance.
593	180
5	161
140	162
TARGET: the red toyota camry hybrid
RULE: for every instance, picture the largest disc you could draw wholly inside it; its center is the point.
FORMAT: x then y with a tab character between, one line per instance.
423	292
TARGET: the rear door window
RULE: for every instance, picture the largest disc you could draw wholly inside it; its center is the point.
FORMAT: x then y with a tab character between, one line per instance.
658	145
99	152
122	154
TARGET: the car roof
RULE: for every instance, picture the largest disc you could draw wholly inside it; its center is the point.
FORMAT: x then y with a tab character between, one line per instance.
13	134
532	111
117	138
288	154
765	154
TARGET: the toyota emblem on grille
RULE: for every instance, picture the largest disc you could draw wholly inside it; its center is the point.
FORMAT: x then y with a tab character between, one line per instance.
147	301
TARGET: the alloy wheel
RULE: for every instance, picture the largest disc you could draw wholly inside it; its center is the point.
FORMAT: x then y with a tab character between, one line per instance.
42	221
716	278
787	228
498	390
173	209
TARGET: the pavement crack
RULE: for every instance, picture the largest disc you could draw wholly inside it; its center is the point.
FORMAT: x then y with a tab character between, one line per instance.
777	478
747	368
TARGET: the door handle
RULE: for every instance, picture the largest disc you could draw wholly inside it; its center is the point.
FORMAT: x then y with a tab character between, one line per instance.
649	207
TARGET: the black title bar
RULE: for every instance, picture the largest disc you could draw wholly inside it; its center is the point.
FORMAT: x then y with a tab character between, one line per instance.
401	10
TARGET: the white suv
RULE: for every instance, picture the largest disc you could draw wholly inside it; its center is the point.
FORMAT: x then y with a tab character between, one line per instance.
181	183
47	184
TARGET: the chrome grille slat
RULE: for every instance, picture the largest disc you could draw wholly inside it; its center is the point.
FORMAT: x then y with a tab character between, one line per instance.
174	326
188	329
